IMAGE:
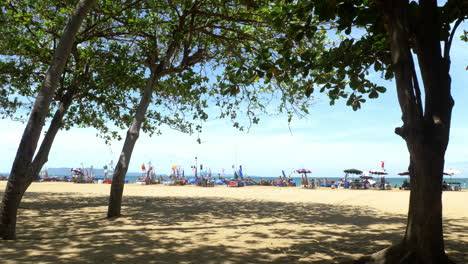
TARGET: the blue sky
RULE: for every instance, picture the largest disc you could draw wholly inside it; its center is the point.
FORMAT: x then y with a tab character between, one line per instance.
329	140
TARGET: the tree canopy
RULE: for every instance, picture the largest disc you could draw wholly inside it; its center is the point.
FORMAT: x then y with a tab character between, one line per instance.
103	76
109	64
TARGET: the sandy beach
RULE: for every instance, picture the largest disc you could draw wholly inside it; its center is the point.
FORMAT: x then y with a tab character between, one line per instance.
65	223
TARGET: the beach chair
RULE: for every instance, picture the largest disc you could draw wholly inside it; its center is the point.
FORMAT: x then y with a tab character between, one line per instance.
234	183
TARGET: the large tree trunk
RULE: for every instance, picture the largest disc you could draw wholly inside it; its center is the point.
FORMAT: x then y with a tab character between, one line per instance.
423	242
22	172
425	130
424	235
427	145
118	180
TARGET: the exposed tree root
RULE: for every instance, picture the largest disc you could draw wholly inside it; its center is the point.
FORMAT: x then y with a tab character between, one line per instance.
7	235
399	254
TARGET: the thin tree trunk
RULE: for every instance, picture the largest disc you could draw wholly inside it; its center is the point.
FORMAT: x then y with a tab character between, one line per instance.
29	173
157	71
57	122
21	174
118	180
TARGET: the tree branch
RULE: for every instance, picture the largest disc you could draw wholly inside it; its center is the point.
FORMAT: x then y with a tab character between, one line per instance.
448	44
42	155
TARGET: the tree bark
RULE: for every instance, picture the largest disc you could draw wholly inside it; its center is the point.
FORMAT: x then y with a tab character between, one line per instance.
57	122
118	179
423	239
424	233
426	132
157	71
22	172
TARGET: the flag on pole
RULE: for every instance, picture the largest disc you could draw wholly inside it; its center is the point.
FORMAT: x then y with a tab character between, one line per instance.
143	168
382	164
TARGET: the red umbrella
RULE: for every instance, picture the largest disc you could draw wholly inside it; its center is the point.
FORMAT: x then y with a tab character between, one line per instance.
404	173
77	171
304	177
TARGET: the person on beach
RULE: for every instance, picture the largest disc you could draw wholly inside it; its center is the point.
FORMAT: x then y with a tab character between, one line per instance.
382	182
304	181
279	182
311	184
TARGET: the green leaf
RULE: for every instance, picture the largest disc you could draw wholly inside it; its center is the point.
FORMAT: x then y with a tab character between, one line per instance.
373	94
380	89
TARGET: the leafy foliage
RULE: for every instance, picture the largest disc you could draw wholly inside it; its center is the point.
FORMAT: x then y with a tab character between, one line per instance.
338	67
117	47
247	55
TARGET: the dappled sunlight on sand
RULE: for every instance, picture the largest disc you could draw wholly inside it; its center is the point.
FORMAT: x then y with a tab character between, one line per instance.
65	223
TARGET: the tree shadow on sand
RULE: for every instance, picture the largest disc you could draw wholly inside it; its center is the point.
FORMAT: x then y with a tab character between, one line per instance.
69	228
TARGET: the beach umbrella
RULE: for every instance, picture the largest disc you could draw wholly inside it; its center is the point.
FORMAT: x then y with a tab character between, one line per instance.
284	174
240	172
303	171
404	173
304	176
378	172
366	177
77	171
352	171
